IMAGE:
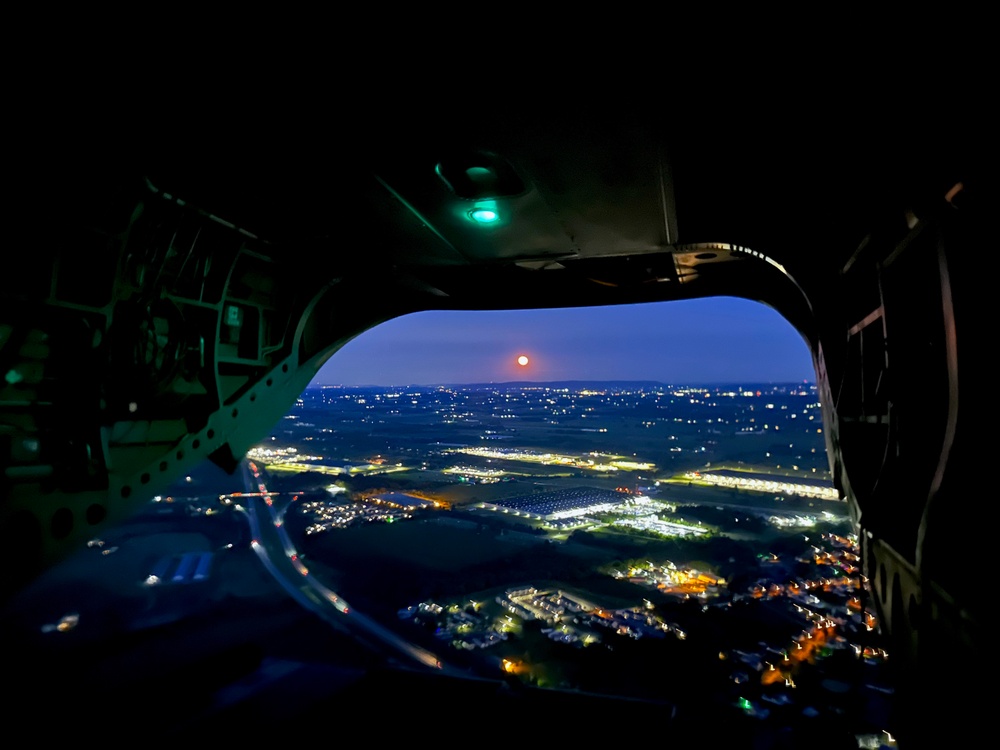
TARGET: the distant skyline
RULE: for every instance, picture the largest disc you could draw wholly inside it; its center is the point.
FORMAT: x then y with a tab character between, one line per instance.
696	342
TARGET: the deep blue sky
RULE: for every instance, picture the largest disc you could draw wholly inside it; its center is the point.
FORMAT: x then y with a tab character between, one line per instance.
696	342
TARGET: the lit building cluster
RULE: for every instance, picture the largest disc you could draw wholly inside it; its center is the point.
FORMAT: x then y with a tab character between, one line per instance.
667	578
832	615
573	620
600	462
535	604
642	505
276	456
631	623
637	512
476	475
756	483
326	515
365	469
655	525
793	521
570	503
463	626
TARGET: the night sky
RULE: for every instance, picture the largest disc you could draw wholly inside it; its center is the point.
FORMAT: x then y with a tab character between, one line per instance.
689	342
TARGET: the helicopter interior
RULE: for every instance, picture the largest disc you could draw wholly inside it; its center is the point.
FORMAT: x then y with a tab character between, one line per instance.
170	300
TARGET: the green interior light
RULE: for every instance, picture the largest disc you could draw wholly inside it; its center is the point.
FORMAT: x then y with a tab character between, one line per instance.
481	174
484	215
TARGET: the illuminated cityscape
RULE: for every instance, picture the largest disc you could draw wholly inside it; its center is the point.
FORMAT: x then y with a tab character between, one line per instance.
532	532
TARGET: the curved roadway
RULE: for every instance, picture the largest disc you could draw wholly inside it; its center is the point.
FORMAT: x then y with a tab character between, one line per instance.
279	556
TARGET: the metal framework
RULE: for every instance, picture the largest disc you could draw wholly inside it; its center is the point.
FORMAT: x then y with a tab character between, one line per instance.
170	306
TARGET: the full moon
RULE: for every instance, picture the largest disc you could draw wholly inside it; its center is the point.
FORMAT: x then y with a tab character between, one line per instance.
522	361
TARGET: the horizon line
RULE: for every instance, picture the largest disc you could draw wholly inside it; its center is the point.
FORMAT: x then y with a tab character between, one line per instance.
714	383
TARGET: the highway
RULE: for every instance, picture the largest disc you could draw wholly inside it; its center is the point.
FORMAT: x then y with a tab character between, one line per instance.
276	552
